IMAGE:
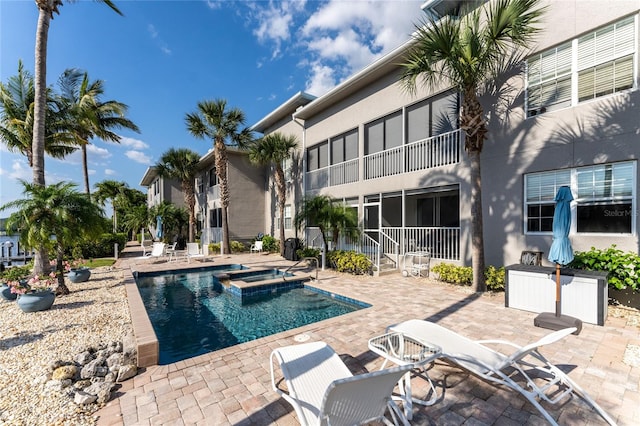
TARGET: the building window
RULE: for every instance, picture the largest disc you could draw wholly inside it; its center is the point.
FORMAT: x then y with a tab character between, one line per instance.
604	64
605	60
604	197
213	178
200	184
431	117
287	217
383	134
344	147
318	156
540	191
287	168
215	218
549	79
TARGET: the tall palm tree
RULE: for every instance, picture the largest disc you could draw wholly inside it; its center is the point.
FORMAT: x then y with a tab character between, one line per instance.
135	218
114	191
468	53
56	210
182	164
272	150
225	126
88	115
17	100
173	218
315	211
46	9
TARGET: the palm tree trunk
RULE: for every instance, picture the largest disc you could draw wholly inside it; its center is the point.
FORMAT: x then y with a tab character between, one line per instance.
477	240
85	170
62	287
281	189
221	172
41	260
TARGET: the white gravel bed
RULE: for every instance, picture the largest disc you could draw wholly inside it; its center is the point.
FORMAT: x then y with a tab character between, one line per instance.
96	312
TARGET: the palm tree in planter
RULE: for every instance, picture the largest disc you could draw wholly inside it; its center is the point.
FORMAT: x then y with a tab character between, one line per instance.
182	164
272	151
55	217
88	116
470	52
225	126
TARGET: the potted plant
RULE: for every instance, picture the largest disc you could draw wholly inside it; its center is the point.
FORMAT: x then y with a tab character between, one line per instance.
17	273
78	273
35	294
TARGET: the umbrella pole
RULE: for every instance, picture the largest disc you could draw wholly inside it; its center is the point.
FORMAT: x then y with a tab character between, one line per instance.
558	291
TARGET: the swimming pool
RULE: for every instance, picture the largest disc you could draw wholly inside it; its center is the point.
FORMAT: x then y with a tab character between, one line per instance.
192	313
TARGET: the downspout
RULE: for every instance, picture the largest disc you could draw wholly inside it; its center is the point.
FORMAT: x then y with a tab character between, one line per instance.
304	158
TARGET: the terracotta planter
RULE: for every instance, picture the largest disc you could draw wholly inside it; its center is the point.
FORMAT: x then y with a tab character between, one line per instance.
79	275
34	302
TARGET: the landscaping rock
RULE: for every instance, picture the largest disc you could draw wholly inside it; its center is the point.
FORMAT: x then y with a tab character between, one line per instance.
83	398
64	372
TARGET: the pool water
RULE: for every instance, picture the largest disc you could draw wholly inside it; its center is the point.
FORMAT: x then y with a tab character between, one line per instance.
261	275
192	314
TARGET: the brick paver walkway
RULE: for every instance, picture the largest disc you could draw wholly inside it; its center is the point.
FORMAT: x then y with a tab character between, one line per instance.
232	386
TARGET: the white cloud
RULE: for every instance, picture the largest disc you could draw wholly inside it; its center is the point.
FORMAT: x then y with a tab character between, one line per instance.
96	151
155	35
139	157
20	170
110	172
339	38
321	81
275	22
133	143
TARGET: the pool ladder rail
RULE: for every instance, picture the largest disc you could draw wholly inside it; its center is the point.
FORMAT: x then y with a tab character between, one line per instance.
310	258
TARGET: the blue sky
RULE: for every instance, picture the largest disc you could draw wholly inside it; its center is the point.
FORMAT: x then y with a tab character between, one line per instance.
163	57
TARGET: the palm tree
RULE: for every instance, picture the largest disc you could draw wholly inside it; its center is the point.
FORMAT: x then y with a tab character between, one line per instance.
88	116
17	100
114	191
272	150
135	218
182	164
57	211
225	127
329	215
173	218
46	9
469	53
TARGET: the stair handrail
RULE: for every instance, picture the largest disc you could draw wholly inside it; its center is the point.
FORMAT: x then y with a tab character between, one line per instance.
304	258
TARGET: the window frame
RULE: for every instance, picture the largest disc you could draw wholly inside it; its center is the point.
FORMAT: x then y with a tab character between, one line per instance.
578	70
578	202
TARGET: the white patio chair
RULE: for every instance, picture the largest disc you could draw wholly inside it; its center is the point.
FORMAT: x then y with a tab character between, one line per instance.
323	391
193	252
544	381
256	247
157	251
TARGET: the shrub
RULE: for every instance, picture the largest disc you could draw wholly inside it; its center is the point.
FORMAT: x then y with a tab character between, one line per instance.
270	244
236	247
308	252
215	248
15	273
623	269
100	247
453	274
463	275
350	262
494	278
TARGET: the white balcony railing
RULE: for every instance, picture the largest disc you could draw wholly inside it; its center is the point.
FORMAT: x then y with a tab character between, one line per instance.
442	242
337	174
437	151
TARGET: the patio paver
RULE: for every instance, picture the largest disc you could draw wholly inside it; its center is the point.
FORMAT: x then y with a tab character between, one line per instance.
232	386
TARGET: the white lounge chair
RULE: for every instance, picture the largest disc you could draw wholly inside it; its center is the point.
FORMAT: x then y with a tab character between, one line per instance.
157	251
256	247
323	391
193	252
496	367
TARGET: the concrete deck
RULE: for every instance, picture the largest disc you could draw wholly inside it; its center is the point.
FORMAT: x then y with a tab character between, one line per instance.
232	386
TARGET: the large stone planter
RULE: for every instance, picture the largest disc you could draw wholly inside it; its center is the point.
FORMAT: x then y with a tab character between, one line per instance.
5	293
79	275
34	302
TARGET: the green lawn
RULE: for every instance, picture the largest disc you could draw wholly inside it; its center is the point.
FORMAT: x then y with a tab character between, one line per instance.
95	263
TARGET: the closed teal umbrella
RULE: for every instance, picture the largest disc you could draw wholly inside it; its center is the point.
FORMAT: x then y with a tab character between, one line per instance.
159	227
561	253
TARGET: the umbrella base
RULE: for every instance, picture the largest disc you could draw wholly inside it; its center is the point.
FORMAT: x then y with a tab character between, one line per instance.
551	321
